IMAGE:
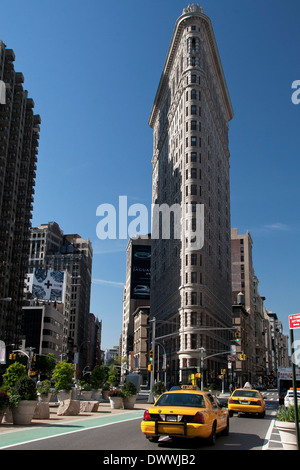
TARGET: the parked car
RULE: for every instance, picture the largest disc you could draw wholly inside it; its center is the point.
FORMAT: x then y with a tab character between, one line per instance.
289	397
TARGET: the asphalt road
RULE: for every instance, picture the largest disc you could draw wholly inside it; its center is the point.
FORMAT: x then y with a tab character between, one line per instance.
246	433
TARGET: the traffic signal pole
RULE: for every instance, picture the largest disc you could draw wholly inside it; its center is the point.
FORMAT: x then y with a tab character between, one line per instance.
150	398
295	388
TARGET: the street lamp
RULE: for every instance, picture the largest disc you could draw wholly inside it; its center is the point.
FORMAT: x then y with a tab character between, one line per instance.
76	359
202	350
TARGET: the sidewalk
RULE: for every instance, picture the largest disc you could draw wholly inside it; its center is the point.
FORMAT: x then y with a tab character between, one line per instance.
104	410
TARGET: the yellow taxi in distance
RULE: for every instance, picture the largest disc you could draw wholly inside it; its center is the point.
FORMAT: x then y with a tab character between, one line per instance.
245	400
186	413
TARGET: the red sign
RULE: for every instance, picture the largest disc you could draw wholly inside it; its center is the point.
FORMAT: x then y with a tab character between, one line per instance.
294	321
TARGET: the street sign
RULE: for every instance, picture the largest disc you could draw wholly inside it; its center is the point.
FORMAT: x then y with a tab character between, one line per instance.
294	321
232	358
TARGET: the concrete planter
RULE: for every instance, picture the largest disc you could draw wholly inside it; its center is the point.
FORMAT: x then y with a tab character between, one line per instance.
129	402
97	394
86	395
62	395
42	410
44	398
24	412
116	402
287	433
7	418
105	394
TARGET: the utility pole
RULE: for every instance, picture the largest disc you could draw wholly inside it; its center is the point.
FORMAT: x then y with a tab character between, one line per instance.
150	399
294	321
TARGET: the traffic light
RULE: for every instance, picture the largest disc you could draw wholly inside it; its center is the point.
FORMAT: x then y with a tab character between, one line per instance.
243	357
151	355
150	367
237	336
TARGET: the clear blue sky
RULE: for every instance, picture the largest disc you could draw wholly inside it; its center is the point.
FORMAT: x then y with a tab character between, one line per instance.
92	68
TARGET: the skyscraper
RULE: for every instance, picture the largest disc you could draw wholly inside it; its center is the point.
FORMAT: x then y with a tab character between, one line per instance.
136	292
19	135
51	249
191	288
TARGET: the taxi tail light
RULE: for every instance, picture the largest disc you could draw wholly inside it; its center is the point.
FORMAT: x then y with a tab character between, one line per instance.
230	400
147	416
258	402
198	418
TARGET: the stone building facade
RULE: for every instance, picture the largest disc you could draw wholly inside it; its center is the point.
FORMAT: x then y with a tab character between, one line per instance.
51	249
190	287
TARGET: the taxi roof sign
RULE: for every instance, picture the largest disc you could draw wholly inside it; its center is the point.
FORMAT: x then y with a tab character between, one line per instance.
189	387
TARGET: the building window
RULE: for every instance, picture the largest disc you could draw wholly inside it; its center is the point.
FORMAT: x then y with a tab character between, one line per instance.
193	259
193	141
194	190
193	341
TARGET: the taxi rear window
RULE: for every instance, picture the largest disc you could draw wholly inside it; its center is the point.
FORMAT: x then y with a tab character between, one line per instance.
177	399
246	393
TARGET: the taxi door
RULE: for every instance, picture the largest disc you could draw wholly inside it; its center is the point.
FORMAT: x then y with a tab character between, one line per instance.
219	413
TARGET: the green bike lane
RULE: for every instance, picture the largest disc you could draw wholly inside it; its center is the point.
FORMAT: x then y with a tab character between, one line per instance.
36	432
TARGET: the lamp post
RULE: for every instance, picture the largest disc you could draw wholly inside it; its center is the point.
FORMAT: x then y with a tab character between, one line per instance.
202	350
76	359
150	398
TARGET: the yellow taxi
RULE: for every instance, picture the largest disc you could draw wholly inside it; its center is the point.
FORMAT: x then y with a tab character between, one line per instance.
247	400
186	413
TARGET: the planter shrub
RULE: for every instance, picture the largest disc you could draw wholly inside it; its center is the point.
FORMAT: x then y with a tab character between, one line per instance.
13	373
23	400
158	388
63	376
130	392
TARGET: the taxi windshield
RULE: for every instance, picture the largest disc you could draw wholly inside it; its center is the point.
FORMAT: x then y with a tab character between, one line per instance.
246	393
178	399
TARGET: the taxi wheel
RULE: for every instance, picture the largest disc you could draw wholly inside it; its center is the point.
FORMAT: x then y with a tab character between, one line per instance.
153	439
212	438
262	415
225	431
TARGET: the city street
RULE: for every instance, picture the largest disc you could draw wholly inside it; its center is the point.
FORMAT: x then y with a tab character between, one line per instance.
246	433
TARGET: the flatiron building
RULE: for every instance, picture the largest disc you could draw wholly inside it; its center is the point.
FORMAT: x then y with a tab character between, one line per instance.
191	288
